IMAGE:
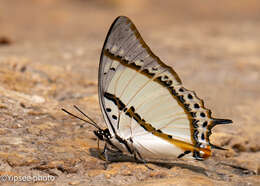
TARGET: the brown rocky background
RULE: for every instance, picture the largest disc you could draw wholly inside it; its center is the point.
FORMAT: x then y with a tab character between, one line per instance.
49	54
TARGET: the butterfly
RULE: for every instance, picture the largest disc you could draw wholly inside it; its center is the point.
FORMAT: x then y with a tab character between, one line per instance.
148	112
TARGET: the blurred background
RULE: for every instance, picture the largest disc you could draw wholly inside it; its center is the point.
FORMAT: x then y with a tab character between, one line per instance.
77	28
21	19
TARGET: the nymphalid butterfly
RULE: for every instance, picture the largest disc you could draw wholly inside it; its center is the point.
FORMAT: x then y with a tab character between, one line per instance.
148	112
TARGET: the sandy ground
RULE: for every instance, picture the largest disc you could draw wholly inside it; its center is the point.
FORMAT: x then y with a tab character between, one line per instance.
49	54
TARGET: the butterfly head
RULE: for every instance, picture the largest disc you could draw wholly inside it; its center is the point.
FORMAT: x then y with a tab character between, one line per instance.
102	134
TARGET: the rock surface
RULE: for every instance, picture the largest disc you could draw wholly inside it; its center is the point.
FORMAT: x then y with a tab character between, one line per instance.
49	53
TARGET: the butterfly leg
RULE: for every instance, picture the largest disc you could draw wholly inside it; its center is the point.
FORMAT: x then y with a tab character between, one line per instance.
106	156
143	160
137	156
101	154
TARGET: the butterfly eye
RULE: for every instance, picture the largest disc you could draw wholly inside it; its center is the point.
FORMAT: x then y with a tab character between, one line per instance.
99	134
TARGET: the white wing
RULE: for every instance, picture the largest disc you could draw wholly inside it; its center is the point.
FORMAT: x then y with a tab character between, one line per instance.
140	96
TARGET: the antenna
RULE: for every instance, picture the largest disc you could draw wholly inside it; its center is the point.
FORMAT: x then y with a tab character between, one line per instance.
93	123
85	114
